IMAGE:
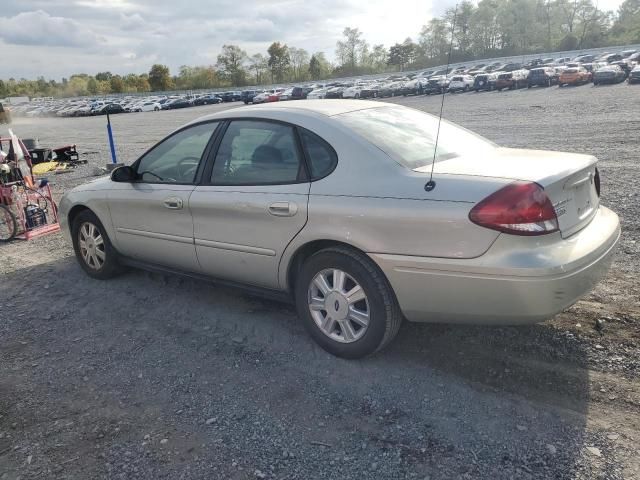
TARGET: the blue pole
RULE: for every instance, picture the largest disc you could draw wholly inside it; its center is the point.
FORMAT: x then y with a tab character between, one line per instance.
111	144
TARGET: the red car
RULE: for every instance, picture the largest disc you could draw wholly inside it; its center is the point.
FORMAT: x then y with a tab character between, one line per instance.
275	96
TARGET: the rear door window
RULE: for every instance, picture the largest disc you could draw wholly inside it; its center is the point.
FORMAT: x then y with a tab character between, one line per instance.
258	153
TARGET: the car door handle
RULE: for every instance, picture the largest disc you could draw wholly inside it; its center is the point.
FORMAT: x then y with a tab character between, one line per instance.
174	203
283	209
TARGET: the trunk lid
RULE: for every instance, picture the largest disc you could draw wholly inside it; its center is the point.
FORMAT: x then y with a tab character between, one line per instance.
567	178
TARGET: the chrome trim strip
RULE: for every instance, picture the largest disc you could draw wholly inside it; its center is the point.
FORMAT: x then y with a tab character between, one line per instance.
235	247
157	236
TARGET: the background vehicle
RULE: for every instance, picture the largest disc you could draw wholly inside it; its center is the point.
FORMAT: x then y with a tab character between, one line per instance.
316	94
543	77
247	95
147	107
177	103
574	76
352	92
461	83
609	74
352	291
234	96
634	76
503	80
412	87
390	89
300	93
371	90
110	108
436	85
262	97
209	99
481	82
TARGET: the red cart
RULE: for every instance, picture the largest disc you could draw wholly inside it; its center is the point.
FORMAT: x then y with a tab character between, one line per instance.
27	209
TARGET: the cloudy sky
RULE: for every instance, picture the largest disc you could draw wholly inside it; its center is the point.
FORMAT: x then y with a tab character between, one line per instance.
56	38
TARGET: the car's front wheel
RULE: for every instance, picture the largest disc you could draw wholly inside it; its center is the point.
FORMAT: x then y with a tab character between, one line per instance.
346	303
92	247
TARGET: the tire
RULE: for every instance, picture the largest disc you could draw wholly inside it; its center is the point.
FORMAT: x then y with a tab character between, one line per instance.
8	224
155	109
384	316
110	266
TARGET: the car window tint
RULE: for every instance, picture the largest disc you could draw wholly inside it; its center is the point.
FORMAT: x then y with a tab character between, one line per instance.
176	159
321	156
257	153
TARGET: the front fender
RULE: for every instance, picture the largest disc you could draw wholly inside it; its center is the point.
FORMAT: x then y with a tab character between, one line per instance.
94	200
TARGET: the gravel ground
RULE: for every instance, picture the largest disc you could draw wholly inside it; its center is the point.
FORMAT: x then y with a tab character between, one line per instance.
150	376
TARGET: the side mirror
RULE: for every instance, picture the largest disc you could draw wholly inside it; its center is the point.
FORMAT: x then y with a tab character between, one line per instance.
124	174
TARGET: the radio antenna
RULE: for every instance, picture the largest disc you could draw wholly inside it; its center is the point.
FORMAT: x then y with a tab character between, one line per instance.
431	184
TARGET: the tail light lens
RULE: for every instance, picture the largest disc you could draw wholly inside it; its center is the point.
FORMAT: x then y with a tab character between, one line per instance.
596	181
520	208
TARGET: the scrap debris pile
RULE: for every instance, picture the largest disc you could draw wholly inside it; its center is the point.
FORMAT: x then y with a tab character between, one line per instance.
27	209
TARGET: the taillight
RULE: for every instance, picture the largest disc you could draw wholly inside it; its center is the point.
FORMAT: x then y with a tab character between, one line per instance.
520	208
596	181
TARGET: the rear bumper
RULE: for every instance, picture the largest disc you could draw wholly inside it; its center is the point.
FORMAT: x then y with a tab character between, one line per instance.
519	280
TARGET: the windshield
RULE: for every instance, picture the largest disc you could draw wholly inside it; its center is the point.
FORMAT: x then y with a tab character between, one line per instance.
408	136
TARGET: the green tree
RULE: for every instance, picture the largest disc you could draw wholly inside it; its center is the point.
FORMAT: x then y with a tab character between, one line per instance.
259	64
231	62
299	63
626	27
350	49
160	78
92	86
402	54
279	61
117	84
102	76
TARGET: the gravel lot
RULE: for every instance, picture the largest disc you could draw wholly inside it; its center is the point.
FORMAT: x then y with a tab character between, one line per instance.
149	376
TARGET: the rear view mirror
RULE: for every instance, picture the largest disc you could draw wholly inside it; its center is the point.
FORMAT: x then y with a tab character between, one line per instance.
123	174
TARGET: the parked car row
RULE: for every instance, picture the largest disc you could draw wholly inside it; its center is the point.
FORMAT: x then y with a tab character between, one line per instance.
112	106
541	72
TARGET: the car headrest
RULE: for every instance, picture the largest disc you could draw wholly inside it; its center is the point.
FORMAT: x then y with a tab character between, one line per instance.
266	154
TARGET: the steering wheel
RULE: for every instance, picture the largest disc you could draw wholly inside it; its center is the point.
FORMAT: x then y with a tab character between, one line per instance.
189	168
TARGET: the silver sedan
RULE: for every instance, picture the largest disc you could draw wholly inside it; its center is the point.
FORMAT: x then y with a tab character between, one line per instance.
349	209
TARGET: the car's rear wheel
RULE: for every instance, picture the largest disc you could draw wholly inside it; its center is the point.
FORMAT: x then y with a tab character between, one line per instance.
93	248
346	303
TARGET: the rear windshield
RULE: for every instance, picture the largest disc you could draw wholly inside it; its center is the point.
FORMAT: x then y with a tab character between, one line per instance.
408	135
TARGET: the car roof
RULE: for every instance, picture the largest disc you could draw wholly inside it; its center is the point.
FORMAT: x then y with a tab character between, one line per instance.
321	107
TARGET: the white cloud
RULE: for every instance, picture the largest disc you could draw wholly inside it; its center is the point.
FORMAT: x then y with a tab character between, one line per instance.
41	29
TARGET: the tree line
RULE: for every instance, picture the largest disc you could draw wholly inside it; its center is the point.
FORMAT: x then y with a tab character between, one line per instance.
492	28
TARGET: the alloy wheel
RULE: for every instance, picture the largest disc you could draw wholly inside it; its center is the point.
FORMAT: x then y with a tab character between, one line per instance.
92	248
338	305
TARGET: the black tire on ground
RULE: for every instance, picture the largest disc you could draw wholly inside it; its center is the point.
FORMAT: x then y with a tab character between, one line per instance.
155	109
111	267
385	316
8	224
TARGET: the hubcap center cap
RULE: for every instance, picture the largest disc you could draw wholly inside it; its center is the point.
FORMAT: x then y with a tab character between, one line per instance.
336	305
